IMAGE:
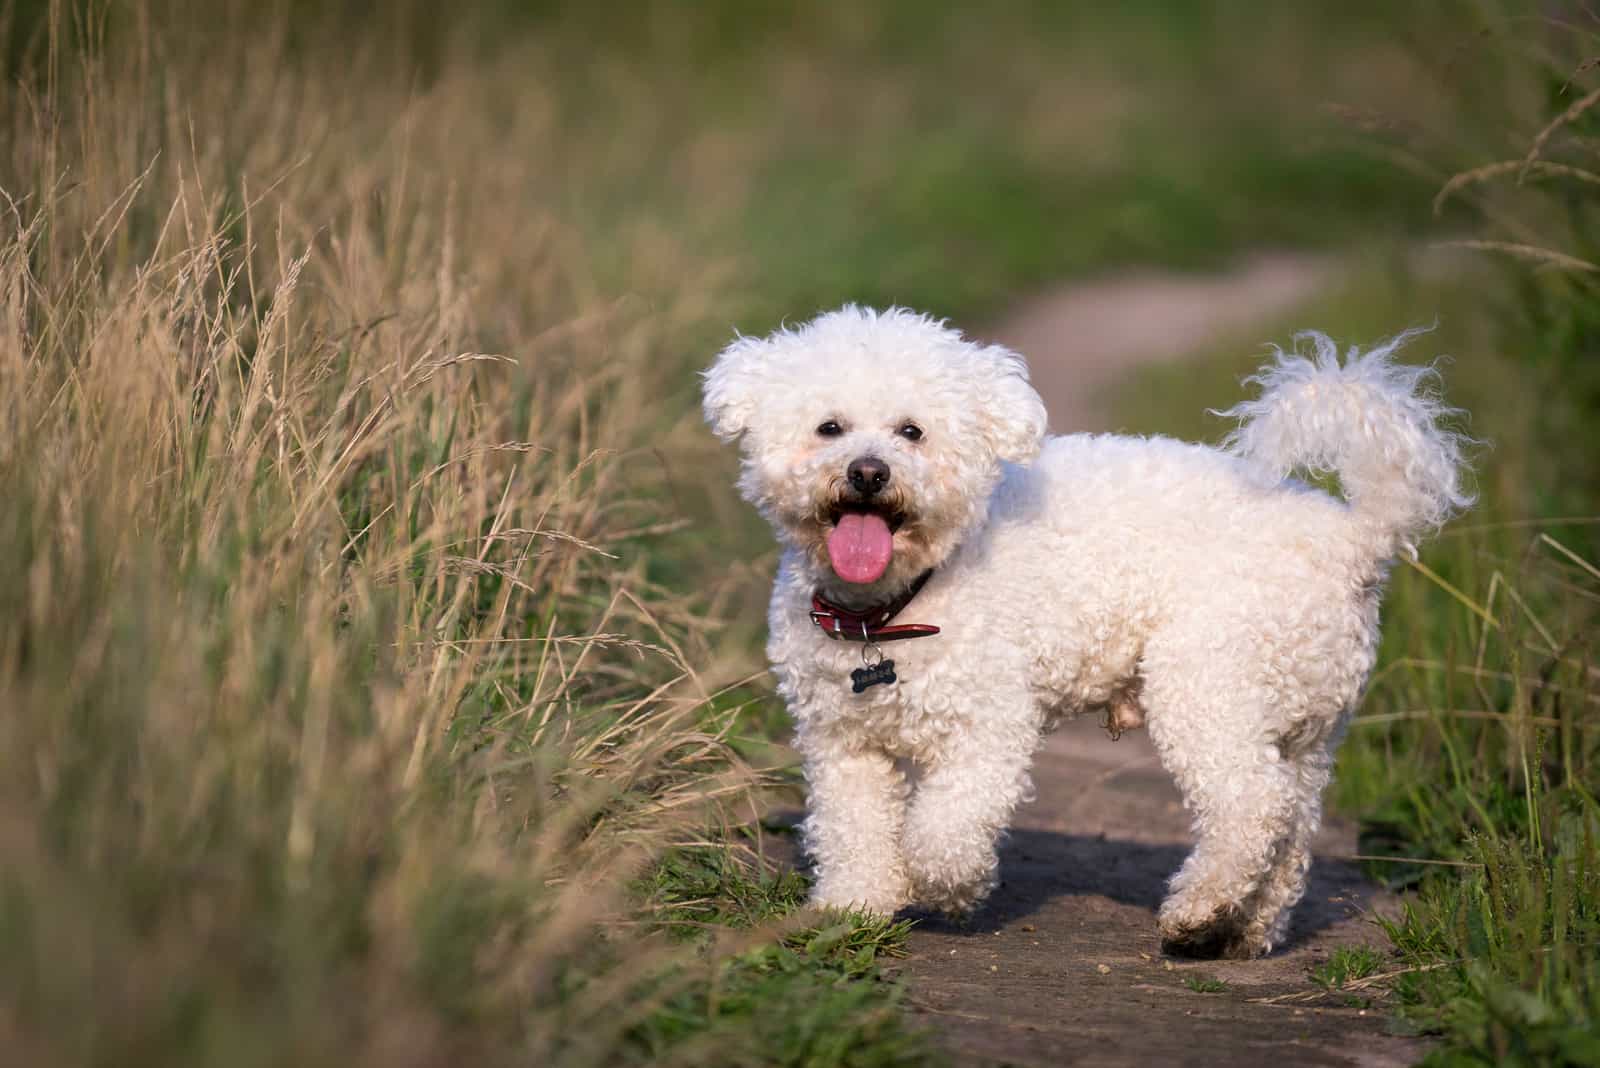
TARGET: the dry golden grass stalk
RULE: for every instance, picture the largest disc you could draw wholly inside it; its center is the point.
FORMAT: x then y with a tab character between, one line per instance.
1547	257
1522	168
1578	107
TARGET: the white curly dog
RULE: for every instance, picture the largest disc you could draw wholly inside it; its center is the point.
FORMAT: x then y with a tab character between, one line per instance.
1201	592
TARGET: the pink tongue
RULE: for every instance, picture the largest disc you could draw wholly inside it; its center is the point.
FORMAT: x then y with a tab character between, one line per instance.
860	547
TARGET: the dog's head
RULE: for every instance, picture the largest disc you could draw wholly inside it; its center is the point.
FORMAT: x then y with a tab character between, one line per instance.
872	441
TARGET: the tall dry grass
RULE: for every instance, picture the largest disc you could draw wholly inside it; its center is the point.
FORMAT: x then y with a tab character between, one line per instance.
337	709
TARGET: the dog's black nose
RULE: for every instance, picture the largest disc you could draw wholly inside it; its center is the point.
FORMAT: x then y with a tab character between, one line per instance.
868	475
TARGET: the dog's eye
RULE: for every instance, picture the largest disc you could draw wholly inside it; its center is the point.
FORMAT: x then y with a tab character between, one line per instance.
830	429
911	432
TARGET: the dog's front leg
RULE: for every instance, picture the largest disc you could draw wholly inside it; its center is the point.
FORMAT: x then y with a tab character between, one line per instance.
962	804
856	813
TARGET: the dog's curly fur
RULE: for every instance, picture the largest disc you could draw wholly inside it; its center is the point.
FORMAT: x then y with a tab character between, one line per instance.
1232	609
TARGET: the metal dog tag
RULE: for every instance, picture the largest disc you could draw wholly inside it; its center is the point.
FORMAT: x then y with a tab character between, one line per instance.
879	674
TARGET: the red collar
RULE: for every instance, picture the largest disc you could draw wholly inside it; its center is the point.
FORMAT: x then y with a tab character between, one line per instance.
872	624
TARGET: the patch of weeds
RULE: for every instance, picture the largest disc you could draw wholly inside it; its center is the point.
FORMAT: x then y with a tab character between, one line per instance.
690	889
1205	984
814	994
1346	964
814	998
1502	957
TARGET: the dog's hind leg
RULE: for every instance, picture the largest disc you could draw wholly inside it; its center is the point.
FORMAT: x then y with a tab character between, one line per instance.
1245	801
1286	882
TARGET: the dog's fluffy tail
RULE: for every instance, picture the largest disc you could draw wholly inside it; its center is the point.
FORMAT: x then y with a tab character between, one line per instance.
1377	424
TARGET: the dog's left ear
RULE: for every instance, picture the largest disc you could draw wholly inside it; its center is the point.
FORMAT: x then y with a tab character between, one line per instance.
1014	415
730	387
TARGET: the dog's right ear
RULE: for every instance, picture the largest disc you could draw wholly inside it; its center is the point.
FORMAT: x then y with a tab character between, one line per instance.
731	386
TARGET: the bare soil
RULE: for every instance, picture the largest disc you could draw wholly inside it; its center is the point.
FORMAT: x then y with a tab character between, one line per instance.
1081	339
1063	964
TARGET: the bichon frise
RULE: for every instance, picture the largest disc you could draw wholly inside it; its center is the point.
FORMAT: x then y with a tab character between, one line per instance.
953	582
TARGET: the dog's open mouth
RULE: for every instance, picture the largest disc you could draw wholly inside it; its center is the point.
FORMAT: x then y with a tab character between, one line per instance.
862	541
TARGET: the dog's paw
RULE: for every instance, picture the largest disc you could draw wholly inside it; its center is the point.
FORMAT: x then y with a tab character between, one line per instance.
884	900
949	873
956	899
1225	934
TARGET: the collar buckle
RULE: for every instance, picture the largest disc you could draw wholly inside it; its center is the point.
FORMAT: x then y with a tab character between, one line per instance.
827	621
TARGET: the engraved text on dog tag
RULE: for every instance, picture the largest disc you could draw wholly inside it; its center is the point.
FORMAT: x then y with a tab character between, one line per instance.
881	673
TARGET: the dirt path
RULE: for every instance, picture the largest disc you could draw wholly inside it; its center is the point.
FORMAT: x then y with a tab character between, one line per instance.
1082	338
1063	965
